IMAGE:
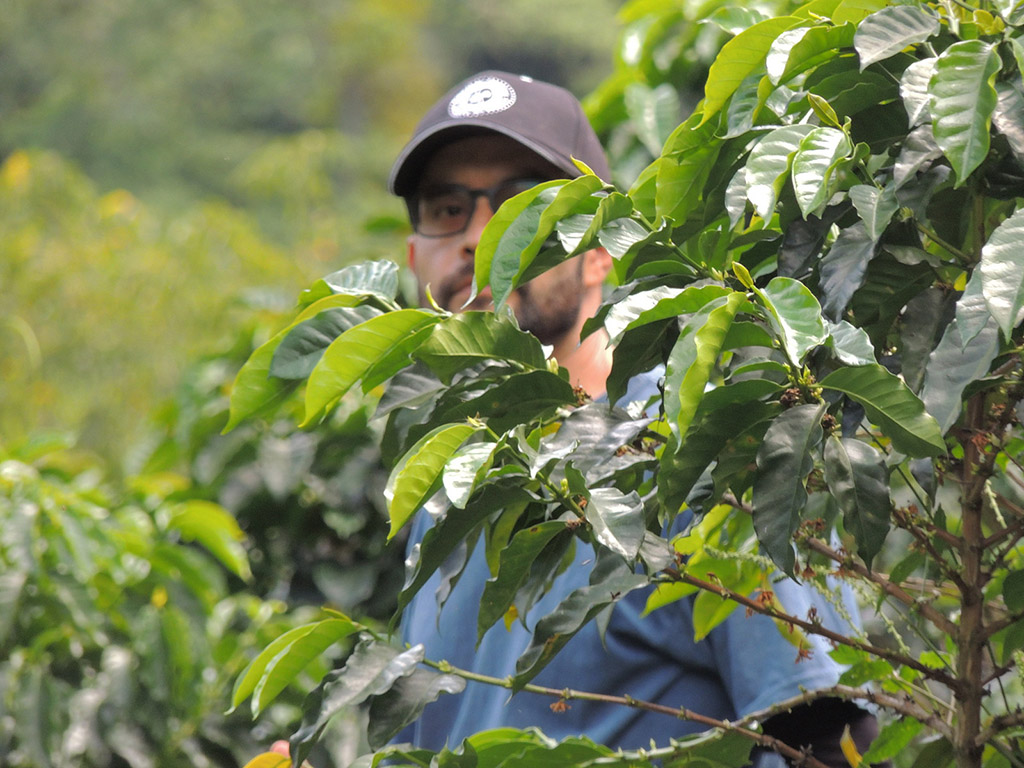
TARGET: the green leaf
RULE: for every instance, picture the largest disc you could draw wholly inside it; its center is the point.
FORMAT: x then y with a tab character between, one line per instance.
1002	272
653	113
367	278
844	266
713	748
413	481
797	50
710	610
513	568
890	30
216	529
510	230
391	711
795	314
694	357
816	159
856	475
303	346
963	100
892	406
914	90
1013	591
558	627
656	304
852	345
464	471
892	739
465	339
617	519
953	366
281	662
784	460
1009	115
875	207
512	257
354	355
371	670
683	170
740	57
768	166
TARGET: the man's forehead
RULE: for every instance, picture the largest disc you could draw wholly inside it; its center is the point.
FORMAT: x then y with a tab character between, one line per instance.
491	154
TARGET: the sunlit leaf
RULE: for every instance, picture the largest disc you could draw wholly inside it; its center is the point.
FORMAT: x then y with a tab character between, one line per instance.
852	345
892	739
813	165
464	471
890	30
796	316
269	760
413	481
875	207
653	113
914	90
303	346
963	100
694	357
354	354
797	50
892	406
656	304
463	340
740	57
768	166
1009	115
367	278
1002	272
617	520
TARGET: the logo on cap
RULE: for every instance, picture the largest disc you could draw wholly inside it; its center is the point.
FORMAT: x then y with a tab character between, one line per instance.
485	96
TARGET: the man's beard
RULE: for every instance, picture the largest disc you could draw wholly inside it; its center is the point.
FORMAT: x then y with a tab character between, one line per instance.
548	313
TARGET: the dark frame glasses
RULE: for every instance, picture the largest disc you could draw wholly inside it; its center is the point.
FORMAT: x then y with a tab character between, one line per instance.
444	210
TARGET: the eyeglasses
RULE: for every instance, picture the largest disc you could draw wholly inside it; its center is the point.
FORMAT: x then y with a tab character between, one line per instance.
446	209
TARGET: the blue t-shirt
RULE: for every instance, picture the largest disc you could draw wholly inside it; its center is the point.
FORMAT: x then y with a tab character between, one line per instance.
743	665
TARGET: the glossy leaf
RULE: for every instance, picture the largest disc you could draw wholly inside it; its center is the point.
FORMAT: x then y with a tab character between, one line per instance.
693	358
816	159
465	470
953	366
890	30
875	207
914	90
354	354
851	344
796	316
740	57
280	663
391	711
523	238
511	229
893	739
690	153
797	50
514	566
303	346
653	113
856	475
889	404
371	670
768	166
617	520
784	460
583	604
963	100
844	267
254	389
472	337
367	278
660	303
1009	115
413	481
1002	272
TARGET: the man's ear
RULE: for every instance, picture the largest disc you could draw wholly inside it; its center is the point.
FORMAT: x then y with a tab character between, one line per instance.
597	263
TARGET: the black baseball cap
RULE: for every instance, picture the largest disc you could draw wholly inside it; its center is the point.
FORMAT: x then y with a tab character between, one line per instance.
544	118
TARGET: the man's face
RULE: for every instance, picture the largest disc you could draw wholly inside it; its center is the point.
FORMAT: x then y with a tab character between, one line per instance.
547	306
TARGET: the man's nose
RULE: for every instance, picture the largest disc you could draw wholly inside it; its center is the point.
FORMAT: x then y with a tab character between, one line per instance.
482	213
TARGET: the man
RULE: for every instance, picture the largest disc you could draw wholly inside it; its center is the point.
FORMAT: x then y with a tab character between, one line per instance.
489	138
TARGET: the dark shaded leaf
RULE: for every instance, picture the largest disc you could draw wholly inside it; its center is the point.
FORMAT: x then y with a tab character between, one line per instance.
784	460
843	268
391	711
301	349
857	477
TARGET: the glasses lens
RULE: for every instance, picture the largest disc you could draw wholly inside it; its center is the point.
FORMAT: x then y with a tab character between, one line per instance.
443	211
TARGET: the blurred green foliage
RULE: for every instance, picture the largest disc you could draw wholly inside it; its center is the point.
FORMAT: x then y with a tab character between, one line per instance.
168	166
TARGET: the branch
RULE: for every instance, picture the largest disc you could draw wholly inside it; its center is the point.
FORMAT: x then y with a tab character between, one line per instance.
744	727
813	628
890	588
997	725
